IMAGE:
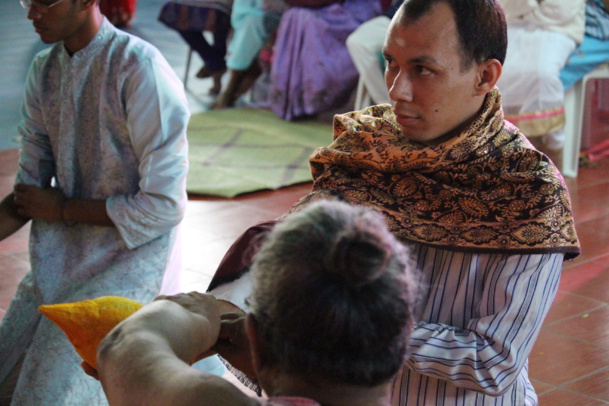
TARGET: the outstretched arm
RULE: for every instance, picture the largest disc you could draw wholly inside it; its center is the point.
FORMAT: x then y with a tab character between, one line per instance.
145	359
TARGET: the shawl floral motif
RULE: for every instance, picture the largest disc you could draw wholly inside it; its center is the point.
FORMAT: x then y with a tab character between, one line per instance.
485	190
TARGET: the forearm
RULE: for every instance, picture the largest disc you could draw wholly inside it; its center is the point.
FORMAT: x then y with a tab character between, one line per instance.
161	320
49	204
160	145
488	351
145	359
10	221
85	211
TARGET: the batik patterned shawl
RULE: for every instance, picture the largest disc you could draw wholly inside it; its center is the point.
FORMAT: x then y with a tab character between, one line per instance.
485	190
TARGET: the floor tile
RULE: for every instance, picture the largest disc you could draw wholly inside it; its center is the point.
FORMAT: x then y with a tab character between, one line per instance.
594	235
9	159
596	385
592	327
542	387
205	258
589	279
567	305
557	359
590	202
567	398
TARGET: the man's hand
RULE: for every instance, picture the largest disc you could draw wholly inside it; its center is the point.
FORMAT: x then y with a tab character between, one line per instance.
195	302
233	343
35	202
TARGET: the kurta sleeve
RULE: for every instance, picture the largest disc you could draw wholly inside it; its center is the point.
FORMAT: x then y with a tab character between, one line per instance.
36	163
157	114
502	315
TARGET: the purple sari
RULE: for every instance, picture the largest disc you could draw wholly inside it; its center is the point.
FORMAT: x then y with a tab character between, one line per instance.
312	71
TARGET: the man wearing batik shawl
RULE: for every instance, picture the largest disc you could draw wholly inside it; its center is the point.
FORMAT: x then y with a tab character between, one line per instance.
487	217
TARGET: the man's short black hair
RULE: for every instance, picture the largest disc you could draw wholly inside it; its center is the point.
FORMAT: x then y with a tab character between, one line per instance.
480	23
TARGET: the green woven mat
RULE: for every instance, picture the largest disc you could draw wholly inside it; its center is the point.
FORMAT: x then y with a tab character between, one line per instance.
242	150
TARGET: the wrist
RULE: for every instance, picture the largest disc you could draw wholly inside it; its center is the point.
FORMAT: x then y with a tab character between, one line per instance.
64	213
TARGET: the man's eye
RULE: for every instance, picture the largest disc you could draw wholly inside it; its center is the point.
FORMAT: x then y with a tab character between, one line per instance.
421	70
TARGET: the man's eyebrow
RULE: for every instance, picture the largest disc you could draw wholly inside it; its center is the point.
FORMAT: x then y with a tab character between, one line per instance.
424	59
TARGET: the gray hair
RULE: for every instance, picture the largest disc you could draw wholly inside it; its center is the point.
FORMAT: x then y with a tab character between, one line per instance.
333	295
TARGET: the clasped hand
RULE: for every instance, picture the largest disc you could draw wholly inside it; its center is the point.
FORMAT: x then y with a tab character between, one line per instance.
233	343
35	202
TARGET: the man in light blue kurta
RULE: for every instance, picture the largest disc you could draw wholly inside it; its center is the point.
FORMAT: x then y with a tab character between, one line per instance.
102	175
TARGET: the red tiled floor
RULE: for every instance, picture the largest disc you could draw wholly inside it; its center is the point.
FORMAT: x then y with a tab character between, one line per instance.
569	364
589	279
590	326
567	305
568	398
596	385
559	359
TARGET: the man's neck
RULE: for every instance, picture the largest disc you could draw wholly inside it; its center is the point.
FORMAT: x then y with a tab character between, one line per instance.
86	33
332	394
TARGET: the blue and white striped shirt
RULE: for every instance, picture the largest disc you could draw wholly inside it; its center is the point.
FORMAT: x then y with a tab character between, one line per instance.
478	318
597	19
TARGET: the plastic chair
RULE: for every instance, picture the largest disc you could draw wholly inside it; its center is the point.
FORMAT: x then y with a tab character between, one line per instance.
188	60
362	97
574	114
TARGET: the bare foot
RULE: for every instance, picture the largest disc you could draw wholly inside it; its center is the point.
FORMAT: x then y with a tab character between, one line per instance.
223	101
217	78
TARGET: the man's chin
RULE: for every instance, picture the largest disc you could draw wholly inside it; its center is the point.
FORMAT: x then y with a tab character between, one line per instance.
44	37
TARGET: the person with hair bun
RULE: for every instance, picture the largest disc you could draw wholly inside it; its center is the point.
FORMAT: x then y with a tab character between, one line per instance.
329	323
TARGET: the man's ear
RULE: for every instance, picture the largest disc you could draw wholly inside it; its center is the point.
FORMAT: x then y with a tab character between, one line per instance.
87	4
488	74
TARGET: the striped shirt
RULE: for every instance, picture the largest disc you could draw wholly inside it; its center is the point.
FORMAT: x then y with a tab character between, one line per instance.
597	19
478	318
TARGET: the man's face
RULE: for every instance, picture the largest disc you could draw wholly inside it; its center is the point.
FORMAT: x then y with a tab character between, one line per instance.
57	23
432	96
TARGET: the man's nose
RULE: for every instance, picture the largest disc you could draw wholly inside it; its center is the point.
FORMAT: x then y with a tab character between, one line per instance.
32	14
401	88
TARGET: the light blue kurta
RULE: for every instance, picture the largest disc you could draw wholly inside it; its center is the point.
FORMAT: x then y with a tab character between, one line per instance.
107	123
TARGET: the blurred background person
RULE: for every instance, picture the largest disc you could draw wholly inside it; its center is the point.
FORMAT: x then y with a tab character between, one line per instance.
253	22
191	18
365	46
119	12
541	37
311	71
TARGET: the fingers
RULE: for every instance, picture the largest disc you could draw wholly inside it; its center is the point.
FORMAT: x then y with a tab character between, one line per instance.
231	316
233	329
195	302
